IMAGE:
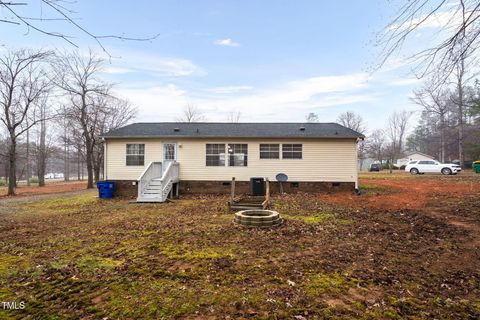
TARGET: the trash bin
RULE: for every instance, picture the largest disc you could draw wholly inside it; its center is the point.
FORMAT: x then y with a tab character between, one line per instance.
257	187
105	189
476	166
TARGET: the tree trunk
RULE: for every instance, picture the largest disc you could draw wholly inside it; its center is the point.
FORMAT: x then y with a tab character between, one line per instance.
12	167
78	165
460	84
98	160
66	167
27	163
96	172
460	123
460	133
42	155
442	138
89	171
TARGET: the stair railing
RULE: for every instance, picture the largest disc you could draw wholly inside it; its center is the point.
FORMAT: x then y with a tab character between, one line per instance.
170	175
152	171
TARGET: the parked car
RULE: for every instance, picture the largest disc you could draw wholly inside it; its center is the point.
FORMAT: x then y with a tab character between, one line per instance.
432	166
375	167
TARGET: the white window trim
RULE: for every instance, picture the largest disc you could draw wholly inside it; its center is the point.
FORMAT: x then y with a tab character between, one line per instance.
135	154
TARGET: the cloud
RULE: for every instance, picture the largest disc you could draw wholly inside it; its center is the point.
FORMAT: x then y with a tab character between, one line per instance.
153	65
226	42
439	19
230	89
116	70
156	103
405	82
175	67
288	101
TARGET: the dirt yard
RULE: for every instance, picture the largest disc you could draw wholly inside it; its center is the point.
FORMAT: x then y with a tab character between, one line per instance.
407	248
49	188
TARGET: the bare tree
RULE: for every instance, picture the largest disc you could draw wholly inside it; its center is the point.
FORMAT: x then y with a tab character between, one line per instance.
458	36
312	117
459	99
396	129
352	121
234	117
65	128
355	122
77	77
20	13
113	113
191	114
42	150
434	100
375	144
23	83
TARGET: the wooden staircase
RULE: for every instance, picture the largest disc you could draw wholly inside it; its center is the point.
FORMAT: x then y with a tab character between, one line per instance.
156	182
249	202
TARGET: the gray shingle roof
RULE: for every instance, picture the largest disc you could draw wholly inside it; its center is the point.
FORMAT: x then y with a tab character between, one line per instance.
232	130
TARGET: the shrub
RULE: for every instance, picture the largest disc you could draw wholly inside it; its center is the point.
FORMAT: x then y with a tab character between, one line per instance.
2	183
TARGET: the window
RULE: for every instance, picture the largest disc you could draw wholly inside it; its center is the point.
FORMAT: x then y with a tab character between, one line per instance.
426	162
237	155
269	151
135	154
169	151
215	156
291	151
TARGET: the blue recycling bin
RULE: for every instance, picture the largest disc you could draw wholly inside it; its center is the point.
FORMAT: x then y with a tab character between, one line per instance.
105	189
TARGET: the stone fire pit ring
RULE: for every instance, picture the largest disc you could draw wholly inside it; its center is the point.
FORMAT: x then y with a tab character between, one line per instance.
258	218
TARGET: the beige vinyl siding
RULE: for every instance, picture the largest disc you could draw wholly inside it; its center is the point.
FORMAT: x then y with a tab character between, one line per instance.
323	160
116	151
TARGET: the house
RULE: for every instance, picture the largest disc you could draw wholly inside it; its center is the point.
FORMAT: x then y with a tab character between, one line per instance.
412	156
153	160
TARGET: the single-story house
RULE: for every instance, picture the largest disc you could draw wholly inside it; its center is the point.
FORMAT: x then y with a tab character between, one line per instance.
153	159
412	156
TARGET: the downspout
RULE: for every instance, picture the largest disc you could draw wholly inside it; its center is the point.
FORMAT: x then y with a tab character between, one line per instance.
357	186
105	176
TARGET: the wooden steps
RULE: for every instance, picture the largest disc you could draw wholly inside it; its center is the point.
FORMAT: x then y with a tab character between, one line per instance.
247	202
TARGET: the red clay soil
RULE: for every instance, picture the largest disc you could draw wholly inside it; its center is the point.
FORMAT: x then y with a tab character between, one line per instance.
406	192
53	187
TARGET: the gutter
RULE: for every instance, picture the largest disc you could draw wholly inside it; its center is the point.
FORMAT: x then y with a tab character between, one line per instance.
229	137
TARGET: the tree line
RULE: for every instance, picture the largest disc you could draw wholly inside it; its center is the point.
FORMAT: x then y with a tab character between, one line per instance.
449	126
49	99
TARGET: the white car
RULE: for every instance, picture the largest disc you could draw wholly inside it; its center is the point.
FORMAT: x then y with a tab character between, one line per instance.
432	166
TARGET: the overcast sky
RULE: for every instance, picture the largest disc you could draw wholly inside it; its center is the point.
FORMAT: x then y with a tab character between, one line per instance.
270	60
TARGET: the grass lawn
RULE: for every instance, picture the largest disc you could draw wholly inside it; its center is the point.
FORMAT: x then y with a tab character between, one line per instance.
337	256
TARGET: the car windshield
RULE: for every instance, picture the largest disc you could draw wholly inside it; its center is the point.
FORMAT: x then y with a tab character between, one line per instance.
412	162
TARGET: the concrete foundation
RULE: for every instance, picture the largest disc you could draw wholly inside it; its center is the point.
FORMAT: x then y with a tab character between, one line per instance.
128	188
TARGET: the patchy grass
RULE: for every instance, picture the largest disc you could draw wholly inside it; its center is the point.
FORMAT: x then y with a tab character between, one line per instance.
59	205
323	217
182	252
11	265
321	283
335	257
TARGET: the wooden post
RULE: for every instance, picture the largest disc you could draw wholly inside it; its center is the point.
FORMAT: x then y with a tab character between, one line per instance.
267	182
267	196
232	193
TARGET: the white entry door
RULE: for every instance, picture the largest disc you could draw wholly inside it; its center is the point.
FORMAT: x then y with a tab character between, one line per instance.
169	152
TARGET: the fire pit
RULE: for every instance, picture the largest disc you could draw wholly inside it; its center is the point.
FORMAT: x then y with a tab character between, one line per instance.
258	218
